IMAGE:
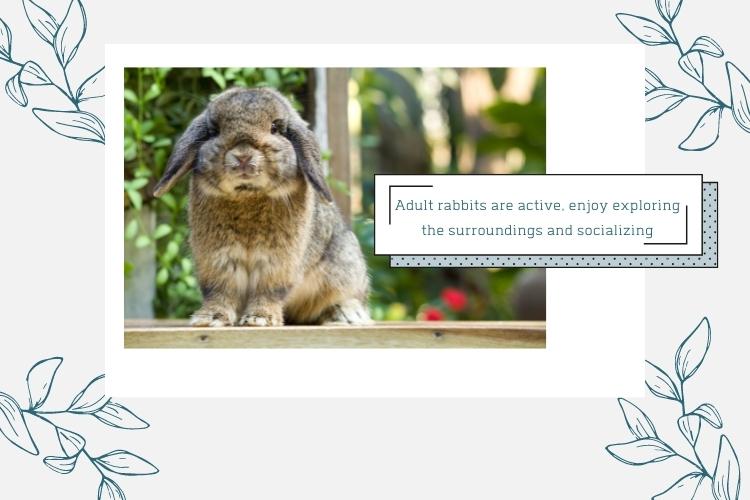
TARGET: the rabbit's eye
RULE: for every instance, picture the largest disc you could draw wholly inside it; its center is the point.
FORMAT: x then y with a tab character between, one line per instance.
276	127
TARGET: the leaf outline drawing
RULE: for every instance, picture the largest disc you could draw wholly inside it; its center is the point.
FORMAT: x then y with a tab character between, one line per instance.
72	446
648	447
662	98
64	38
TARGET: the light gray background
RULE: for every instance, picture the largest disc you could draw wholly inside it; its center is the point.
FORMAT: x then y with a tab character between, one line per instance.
52	261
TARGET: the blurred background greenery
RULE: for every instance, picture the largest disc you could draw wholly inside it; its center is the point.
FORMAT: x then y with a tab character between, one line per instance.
405	120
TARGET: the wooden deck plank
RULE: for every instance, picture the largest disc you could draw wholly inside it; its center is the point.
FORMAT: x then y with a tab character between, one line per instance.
149	334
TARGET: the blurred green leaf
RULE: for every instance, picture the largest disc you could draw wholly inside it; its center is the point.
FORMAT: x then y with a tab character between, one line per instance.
525	120
147	126
216	77
161	231
131	229
162	276
130	149
162	142
272	77
169	200
135	198
142	241
135	184
152	93
172	250
131	96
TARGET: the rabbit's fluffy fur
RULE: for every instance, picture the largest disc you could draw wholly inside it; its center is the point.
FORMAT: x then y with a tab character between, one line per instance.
269	244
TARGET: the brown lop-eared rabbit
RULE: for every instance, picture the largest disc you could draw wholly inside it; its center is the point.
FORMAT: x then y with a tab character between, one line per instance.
269	244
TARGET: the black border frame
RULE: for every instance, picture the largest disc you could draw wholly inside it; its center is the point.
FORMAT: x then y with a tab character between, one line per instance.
548	255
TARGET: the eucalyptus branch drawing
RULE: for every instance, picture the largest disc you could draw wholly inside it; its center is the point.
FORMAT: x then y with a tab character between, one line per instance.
662	98
73	448
64	38
648	447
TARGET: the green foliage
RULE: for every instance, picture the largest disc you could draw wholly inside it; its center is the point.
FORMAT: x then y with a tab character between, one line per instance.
519	125
392	141
159	104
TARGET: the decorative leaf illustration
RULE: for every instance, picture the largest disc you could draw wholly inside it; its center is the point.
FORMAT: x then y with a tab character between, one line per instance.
659	383
710	414
707	46
13	426
652	81
6	41
92	87
683	489
662	100
693	350
641	451
42	21
108	490
705	133
692	64
690	426
638	422
70	442
668	9
65	38
33	74
39	381
117	415
91	398
71	32
726	483
14	89
63	465
739	86
645	30
126	463
79	125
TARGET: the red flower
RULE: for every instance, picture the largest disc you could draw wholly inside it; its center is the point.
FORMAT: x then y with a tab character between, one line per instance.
454	298
432	314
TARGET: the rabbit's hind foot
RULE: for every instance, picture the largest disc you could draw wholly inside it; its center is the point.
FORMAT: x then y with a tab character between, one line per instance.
349	312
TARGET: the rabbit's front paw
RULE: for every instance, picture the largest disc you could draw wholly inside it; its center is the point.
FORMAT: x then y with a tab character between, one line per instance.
211	317
261	317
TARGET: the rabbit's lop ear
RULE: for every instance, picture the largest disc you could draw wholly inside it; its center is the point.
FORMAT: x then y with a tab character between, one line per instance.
308	156
184	154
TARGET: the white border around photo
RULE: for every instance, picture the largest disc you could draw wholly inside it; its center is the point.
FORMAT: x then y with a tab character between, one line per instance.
595	317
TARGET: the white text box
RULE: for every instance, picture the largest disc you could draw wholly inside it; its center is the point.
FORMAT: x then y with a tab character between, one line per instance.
538	214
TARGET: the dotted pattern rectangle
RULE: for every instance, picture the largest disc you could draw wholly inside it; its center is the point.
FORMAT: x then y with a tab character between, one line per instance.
709	258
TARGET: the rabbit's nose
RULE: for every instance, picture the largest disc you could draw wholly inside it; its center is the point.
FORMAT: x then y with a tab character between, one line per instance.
241	160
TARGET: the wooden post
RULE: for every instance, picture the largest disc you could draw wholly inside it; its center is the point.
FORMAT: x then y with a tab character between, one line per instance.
337	97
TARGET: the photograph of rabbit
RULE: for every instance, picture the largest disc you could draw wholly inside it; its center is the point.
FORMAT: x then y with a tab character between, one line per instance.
248	205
